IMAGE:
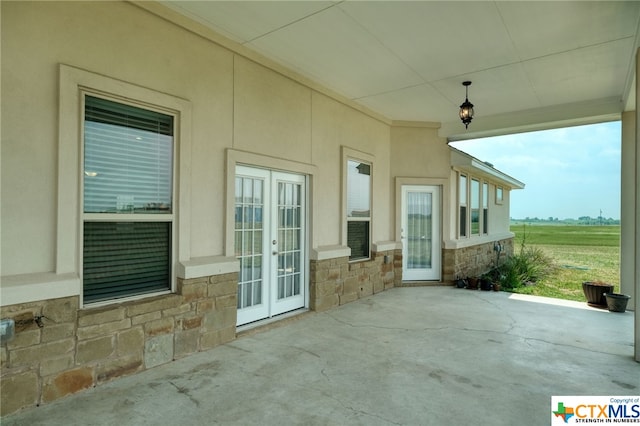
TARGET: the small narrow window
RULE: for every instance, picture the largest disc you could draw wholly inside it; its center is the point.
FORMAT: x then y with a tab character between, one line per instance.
128	200
462	201
475	207
358	209
498	195
485	208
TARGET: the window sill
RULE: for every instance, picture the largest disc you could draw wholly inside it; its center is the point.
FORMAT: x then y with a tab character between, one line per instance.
477	240
206	266
27	288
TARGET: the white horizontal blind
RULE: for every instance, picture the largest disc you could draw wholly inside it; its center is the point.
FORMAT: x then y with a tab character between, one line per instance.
128	171
358	189
358	209
127	159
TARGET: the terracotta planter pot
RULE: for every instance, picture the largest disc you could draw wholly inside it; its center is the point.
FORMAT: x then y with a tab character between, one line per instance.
472	283
594	293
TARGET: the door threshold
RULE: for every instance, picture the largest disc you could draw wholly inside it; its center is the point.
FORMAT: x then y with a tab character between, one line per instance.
421	283
269	323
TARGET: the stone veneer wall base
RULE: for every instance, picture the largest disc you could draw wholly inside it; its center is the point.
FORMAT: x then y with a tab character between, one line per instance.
335	282
473	261
76	348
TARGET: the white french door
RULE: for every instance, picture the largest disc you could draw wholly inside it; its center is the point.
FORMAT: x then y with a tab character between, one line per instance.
420	233
270	242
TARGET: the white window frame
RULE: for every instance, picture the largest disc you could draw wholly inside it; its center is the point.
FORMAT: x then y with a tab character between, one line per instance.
129	217
464	200
499	195
354	155
74	82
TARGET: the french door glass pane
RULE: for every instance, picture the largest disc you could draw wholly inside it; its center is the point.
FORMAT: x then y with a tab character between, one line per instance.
289	207
249	236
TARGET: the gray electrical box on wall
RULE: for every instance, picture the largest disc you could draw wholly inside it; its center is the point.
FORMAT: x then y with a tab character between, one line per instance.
7	329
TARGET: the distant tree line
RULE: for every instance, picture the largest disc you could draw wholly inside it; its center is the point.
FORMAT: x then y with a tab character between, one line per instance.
582	220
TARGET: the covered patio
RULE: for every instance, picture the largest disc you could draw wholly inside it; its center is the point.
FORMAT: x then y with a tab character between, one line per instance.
334	101
403	356
533	65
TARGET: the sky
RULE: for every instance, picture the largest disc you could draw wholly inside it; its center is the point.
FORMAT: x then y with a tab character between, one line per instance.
568	173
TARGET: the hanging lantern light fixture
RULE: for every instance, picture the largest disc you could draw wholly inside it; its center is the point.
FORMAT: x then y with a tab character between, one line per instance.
466	109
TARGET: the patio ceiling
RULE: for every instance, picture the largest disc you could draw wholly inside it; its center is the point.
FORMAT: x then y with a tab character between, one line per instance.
533	65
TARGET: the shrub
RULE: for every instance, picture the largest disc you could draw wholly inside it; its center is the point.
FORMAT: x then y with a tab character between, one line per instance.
530	265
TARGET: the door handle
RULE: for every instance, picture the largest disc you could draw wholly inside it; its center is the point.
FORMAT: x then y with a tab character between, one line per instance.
275	253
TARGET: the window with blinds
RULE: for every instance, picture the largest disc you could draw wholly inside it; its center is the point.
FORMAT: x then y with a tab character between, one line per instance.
358	209
128	194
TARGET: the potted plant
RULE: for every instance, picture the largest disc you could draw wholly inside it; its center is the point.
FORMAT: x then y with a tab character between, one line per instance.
472	283
617	302
594	293
460	283
486	283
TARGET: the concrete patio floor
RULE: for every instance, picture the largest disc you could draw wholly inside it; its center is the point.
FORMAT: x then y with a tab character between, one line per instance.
407	356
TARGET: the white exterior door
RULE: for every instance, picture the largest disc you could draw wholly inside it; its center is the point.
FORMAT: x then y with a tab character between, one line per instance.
270	242
420	233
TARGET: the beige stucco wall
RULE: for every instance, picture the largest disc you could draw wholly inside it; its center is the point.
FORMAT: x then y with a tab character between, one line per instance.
336	125
236	104
420	157
499	213
419	152
259	112
106	38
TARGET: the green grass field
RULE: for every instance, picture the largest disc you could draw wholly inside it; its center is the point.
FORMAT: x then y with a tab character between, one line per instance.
581	253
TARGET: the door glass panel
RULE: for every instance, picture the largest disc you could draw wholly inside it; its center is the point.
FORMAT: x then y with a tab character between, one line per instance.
257	241
289	234
419	230
249	239
257	191
296	284
257	293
